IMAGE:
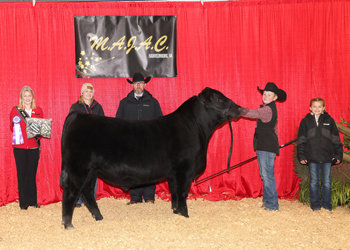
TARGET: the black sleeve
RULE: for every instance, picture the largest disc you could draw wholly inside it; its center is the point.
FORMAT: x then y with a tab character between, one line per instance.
301	145
336	142
100	111
157	110
119	113
74	107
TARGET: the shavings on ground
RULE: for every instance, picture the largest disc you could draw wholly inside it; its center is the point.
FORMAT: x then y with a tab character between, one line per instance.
241	224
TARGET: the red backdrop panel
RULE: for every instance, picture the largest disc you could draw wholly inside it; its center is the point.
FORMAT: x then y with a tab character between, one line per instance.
302	46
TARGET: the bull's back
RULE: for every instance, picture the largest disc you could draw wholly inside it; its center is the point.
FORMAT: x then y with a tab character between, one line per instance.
117	137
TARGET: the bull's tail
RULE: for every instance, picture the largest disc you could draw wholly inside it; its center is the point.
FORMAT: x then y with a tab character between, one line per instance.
67	122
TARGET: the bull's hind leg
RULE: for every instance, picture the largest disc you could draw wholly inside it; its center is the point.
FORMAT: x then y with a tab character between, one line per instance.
70	197
89	200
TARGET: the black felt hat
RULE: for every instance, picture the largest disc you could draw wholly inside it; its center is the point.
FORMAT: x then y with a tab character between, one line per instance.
270	86
138	77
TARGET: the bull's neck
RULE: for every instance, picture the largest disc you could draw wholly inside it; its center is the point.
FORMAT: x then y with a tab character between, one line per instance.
193	113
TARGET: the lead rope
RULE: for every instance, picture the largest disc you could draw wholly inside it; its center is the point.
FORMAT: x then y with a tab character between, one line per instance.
236	166
230	152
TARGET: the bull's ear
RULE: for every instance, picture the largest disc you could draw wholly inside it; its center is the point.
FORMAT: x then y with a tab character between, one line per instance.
201	97
206	89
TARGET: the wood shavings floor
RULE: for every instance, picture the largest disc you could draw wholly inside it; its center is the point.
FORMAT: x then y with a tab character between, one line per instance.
230	224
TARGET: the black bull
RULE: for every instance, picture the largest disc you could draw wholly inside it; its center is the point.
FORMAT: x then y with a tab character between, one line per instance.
130	153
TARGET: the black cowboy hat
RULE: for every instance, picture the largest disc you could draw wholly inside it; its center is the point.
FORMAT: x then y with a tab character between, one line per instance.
138	77
270	86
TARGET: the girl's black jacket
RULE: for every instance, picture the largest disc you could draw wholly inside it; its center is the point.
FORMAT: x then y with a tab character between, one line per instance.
319	144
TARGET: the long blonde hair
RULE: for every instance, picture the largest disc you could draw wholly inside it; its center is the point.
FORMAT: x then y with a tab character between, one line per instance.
21	104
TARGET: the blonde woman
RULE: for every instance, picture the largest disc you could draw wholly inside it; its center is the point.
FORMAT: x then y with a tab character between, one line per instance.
26	151
87	104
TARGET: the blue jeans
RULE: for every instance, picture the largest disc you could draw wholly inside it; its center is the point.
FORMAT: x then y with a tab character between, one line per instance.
266	163
326	188
80	201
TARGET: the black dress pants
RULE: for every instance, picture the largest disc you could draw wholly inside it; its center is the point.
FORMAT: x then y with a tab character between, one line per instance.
147	193
27	165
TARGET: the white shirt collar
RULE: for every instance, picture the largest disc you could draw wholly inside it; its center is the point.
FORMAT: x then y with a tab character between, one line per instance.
29	112
135	95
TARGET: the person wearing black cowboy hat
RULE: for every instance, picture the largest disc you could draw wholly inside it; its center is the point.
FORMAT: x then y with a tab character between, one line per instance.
139	104
266	141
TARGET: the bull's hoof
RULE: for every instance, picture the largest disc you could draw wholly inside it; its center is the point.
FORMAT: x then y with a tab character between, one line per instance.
175	211
68	227
184	215
98	217
183	212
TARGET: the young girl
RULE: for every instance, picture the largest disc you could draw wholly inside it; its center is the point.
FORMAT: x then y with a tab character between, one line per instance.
318	145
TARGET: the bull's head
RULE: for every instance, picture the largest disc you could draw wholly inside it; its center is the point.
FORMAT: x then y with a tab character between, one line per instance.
215	100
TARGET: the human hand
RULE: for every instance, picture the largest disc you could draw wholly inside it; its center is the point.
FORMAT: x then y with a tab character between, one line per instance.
244	111
335	161
304	162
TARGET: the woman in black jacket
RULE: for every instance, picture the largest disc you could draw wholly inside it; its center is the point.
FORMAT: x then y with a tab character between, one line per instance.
318	146
87	104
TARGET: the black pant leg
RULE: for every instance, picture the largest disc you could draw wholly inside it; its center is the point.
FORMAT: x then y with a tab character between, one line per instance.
136	194
33	156
27	165
148	192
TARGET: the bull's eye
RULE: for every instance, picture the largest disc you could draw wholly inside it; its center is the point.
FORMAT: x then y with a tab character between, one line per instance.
218	100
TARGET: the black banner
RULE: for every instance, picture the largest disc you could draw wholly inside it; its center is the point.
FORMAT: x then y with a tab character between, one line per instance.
119	46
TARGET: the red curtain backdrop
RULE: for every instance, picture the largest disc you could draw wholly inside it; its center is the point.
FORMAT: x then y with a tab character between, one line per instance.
302	46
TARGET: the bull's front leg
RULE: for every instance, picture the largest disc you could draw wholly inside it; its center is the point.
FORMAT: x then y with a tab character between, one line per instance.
182	203
183	186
